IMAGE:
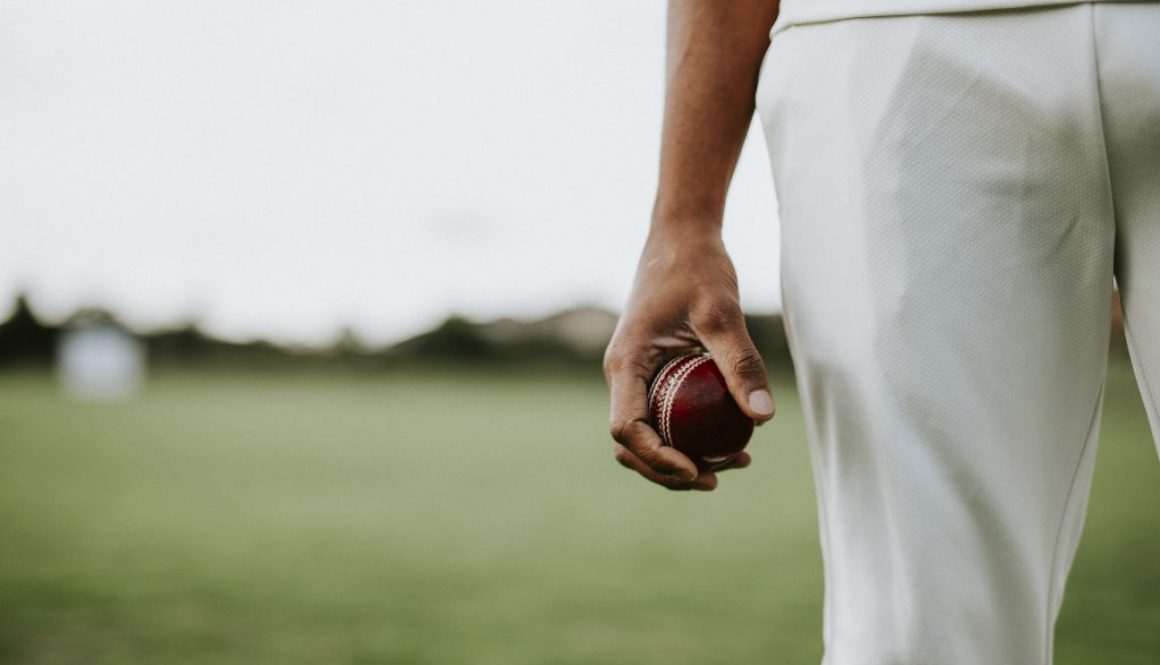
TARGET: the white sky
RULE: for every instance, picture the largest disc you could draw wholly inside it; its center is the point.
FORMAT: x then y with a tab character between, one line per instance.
281	169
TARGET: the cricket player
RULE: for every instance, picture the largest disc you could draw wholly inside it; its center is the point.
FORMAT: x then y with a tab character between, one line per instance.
958	182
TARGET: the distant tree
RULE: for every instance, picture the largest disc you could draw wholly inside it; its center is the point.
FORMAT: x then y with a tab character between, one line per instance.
455	339
181	345
768	333
24	340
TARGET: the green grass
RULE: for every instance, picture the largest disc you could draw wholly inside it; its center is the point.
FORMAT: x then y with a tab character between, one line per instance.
233	518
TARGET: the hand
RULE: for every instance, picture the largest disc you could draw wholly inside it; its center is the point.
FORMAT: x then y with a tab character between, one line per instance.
685	296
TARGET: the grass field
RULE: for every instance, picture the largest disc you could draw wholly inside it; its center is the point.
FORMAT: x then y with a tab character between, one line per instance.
233	518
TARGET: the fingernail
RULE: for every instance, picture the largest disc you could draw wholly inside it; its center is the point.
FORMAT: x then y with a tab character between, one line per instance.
685	475
761	402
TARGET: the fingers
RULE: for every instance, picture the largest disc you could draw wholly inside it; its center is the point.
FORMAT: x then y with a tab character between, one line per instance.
705	482
628	383
722	332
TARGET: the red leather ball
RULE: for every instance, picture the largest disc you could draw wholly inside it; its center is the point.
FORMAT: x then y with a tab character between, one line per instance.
691	408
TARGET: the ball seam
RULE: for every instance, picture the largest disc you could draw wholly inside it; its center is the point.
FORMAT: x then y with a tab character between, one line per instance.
670	393
662	377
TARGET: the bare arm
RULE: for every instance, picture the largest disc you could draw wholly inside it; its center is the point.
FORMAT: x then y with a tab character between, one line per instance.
713	56
685	294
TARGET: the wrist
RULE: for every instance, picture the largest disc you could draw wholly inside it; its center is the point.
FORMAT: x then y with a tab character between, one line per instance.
675	241
686	226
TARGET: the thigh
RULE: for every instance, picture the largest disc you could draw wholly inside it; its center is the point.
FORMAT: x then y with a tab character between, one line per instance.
1128	42
946	276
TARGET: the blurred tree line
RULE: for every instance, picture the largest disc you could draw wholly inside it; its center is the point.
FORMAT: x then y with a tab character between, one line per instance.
570	339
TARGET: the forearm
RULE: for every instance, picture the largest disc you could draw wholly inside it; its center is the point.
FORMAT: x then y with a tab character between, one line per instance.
714	53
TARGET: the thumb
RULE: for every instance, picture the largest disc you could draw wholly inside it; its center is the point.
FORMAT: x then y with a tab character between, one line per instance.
744	371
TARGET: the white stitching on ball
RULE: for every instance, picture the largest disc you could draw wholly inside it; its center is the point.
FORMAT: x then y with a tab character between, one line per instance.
668	396
660	378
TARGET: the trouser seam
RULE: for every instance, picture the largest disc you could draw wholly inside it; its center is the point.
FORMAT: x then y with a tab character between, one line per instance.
1054	588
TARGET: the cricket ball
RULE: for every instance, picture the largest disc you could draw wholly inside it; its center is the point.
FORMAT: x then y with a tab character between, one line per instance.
693	411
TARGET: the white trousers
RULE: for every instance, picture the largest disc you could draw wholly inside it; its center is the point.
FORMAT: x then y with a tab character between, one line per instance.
956	194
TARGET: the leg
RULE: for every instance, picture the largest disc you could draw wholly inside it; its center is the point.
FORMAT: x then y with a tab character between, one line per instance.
947	249
1129	68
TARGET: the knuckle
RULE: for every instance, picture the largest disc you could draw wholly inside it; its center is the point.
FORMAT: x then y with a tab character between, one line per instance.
619	358
632	435
747	363
627	432
718	317
619	429
622	456
613	359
